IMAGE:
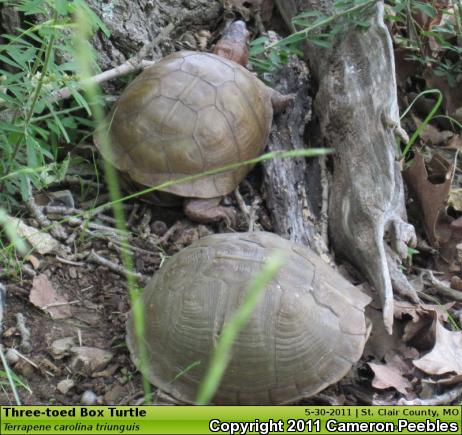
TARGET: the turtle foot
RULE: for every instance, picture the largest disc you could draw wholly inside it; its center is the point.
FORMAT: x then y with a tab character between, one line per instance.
205	211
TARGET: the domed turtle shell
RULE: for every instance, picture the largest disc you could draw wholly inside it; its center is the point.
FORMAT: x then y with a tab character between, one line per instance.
189	113
306	332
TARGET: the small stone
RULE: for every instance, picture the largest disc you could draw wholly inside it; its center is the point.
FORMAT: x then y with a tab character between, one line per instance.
91	359
12	356
23	368
88	398
61	198
65	385
62	346
159	228
72	272
115	395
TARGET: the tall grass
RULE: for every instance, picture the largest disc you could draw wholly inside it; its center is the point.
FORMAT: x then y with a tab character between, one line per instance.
222	353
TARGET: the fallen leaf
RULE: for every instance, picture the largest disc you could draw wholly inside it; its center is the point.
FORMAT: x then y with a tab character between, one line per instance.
452	95
44	296
42	242
446	355
389	376
432	197
432	136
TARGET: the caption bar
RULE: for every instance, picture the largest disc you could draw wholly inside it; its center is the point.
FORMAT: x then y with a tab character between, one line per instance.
231	420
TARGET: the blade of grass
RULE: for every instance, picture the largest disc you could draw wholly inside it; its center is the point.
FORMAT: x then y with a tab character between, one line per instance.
313	152
222	353
428	118
9	376
92	93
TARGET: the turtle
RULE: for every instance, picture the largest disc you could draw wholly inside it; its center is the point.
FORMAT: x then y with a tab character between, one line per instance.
305	333
189	113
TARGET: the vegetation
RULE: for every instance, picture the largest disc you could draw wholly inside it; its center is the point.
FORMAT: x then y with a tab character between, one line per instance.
53	52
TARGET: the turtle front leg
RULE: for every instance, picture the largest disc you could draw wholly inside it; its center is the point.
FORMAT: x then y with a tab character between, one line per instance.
208	210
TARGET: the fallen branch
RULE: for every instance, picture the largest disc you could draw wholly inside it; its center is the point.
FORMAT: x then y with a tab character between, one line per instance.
136	62
117	268
442	289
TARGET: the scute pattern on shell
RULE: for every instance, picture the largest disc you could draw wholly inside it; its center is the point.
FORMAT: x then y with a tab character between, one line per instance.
189	113
305	334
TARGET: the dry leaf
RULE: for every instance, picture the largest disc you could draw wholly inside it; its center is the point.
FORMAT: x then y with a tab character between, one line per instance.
446	355
42	242
432	136
452	96
389	376
44	296
431	197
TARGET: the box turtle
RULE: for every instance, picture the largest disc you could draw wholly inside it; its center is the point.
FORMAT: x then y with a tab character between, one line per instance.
305	333
189	113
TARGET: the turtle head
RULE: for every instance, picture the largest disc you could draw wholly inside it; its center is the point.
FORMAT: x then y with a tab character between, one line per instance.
233	44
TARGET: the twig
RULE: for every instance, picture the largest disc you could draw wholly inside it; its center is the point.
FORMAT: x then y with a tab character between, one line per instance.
70	262
117	268
444	399
32	363
99	227
134	63
133	215
324	200
75	180
24	331
56	229
65	211
144	230
253	213
441	288
176	226
59	304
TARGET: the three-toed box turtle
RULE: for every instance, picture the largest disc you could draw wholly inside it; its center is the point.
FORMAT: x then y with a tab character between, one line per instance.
189	113
305	333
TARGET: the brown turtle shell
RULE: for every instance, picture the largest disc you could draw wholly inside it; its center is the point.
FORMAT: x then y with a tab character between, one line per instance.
306	332
189	113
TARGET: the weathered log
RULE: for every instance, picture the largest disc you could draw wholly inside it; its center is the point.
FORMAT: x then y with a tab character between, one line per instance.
356	104
292	186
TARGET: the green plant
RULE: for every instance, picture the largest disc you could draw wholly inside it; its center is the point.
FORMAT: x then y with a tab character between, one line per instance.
430	33
222	353
313	27
427	119
34	64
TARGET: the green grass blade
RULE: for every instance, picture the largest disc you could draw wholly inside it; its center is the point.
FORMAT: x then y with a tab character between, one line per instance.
9	375
222	352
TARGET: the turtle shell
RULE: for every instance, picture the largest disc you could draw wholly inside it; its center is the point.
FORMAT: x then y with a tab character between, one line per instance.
189	113
306	332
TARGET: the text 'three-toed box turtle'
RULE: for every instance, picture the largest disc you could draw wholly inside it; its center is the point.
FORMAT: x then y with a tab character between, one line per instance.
189	113
306	332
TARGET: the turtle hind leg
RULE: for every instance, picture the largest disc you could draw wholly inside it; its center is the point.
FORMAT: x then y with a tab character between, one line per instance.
208	210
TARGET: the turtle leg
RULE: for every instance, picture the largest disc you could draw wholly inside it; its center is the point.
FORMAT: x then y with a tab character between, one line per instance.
280	101
208	210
